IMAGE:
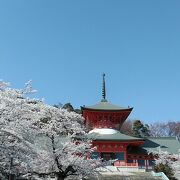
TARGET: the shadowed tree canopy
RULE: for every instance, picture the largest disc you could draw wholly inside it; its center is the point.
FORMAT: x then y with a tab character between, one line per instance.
68	107
59	105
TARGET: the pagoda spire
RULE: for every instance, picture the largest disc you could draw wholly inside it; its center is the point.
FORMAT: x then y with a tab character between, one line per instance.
103	90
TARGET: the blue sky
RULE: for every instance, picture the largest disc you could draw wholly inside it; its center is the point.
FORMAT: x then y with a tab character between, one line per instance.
65	46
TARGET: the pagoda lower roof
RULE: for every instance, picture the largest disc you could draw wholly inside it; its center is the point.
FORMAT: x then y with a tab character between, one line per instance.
105	105
113	137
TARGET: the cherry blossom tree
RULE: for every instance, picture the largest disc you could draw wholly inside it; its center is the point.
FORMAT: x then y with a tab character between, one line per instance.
160	129
41	139
167	163
15	130
127	127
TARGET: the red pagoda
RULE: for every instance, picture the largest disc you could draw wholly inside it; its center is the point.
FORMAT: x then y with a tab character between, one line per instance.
104	121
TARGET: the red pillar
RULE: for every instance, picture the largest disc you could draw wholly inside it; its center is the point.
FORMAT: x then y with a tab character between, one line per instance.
125	154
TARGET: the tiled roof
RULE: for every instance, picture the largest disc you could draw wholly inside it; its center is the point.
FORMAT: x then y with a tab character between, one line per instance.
104	105
170	144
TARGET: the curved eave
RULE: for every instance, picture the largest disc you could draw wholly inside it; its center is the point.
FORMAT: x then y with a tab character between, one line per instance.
133	142
121	140
114	137
92	109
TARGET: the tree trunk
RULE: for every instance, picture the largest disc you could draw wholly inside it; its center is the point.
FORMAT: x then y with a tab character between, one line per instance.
11	177
60	177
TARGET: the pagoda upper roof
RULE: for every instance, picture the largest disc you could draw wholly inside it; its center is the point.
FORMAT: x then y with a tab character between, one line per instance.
105	105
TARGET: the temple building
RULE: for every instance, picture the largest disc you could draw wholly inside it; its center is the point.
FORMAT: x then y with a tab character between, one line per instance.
104	121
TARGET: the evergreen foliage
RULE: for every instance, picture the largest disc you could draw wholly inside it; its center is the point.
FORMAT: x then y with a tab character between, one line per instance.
68	107
167	163
140	130
166	169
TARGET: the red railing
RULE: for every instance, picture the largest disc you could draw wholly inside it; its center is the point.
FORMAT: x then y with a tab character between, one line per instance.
120	163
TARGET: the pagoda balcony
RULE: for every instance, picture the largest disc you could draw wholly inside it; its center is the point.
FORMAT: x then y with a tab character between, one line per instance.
122	163
133	165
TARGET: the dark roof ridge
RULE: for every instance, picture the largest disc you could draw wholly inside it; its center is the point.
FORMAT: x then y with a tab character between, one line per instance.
162	137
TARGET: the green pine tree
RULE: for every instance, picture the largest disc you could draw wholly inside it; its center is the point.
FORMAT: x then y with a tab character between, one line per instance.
140	130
